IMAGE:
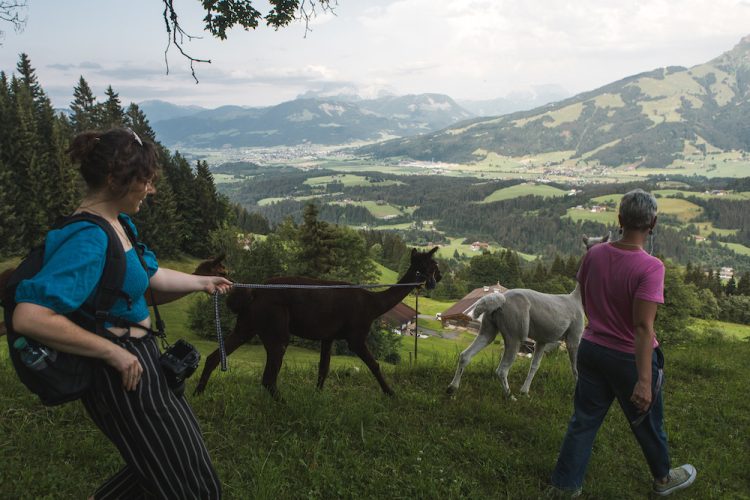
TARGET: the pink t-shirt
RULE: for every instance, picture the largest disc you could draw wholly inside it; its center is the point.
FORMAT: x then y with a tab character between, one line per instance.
612	278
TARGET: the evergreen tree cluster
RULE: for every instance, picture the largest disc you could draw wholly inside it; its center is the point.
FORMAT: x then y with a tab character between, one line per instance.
38	183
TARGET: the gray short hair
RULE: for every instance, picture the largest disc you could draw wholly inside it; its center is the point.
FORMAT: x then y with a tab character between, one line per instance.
637	209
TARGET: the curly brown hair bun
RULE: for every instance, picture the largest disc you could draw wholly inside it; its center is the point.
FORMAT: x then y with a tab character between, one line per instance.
114	158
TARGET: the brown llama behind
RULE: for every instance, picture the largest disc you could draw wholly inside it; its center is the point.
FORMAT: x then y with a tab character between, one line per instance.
318	314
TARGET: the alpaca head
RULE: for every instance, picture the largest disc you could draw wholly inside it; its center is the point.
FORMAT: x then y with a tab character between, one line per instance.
425	267
595	240
212	267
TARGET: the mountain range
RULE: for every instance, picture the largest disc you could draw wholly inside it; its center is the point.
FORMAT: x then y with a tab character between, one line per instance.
649	120
326	121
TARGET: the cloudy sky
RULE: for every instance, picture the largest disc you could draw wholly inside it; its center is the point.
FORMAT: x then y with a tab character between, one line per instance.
468	49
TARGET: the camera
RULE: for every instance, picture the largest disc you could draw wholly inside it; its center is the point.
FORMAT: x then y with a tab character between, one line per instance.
178	362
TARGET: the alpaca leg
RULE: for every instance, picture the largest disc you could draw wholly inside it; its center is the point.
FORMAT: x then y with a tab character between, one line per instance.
486	335
509	356
325	361
535	362
572	341
212	360
275	351
360	349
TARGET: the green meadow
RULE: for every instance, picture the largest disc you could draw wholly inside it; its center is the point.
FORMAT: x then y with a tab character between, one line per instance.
421	443
348	180
350	441
525	189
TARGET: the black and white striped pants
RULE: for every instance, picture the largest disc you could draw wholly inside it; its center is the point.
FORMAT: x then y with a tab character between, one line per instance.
155	432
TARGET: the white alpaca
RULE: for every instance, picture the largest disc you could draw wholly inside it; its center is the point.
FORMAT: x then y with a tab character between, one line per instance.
522	314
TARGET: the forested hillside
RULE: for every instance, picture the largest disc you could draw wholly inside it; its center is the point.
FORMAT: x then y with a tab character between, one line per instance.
455	205
38	183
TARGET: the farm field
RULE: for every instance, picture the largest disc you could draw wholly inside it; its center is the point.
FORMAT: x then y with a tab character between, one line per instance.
730	195
525	189
608	217
682	209
348	180
706	228
380	211
738	248
447	251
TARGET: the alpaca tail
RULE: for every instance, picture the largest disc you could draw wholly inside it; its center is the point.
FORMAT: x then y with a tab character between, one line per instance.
488	304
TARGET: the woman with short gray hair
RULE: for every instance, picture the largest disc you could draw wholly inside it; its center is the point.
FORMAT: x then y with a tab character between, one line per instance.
637	210
619	356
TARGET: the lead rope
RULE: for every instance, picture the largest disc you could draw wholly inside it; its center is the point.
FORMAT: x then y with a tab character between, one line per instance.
219	335
217	316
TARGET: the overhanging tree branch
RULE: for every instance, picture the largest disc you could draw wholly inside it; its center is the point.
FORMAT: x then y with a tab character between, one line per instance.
222	15
10	11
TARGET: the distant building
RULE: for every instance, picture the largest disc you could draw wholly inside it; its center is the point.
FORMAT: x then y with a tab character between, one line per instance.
401	317
598	208
726	273
479	245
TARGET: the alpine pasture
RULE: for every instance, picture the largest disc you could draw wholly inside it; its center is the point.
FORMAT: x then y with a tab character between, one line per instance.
350	441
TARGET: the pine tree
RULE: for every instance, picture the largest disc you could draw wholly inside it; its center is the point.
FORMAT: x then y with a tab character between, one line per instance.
743	287
110	111
209	206
157	221
27	168
8	223
731	287
350	258
84	108
571	267
558	266
137	121
28	77
315	240
52	185
9	237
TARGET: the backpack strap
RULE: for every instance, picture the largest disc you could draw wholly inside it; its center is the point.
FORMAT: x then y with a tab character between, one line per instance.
160	327
95	312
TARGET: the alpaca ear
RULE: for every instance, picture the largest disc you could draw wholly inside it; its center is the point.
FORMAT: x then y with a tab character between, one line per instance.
432	252
414	252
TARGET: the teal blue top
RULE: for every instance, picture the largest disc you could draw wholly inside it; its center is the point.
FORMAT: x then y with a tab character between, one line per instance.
74	258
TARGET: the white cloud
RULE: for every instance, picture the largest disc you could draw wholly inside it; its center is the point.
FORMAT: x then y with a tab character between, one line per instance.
477	49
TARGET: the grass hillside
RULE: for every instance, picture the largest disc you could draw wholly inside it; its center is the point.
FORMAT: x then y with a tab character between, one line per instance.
349	441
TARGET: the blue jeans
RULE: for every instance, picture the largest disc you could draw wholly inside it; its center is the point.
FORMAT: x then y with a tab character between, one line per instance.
605	374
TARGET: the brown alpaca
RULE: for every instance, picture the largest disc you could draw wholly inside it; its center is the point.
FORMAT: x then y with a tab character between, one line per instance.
318	314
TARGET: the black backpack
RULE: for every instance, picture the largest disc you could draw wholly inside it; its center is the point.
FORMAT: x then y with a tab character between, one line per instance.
68	376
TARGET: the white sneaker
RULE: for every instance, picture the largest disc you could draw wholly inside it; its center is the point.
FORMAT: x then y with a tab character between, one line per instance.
679	478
